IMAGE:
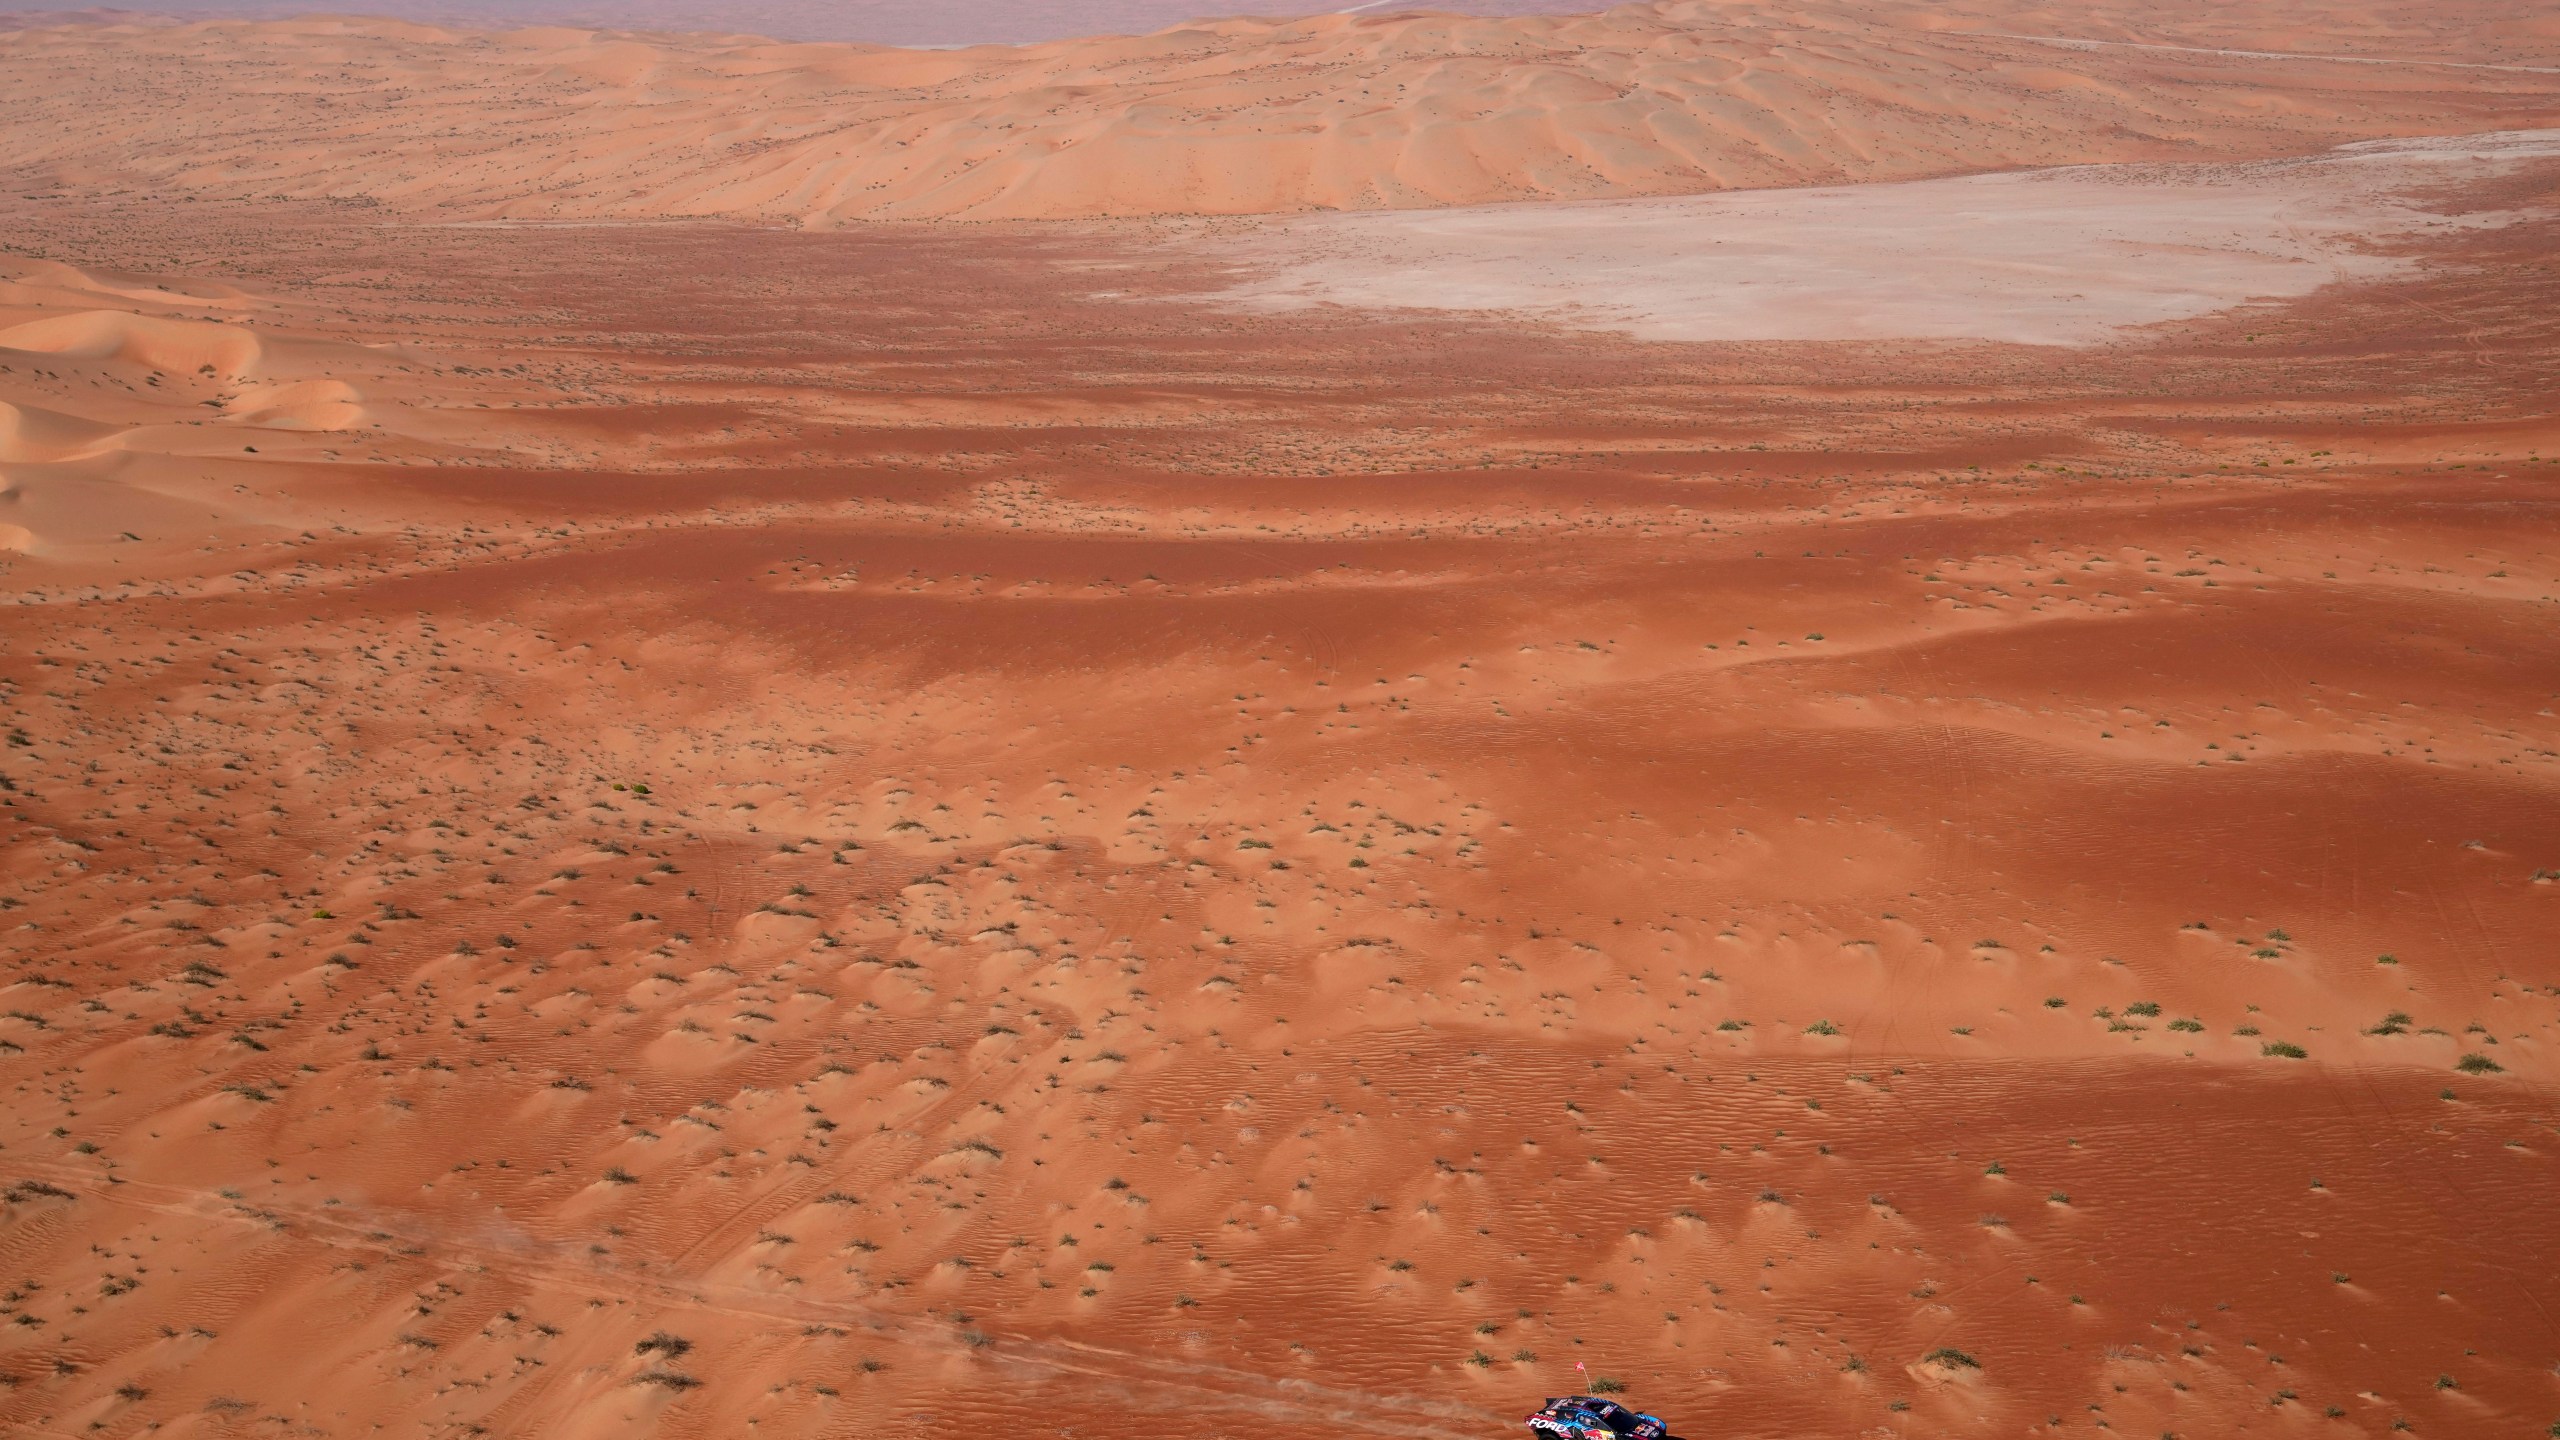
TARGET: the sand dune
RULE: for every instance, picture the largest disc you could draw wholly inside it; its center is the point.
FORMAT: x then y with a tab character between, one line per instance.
175	346
27	282
299	405
113	382
32	435
1227	117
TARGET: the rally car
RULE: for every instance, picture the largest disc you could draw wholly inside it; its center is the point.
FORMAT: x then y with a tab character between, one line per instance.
1588	1417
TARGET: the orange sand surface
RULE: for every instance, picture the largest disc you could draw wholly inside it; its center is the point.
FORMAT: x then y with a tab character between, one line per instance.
963	848
1366	111
713	830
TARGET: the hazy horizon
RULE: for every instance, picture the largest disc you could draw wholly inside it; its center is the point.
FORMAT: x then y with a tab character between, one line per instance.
879	22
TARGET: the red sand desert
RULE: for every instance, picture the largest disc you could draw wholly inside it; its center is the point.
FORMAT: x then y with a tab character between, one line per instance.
719	739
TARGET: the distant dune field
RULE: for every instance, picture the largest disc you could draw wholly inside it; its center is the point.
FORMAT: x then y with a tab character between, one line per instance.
1340	112
870	22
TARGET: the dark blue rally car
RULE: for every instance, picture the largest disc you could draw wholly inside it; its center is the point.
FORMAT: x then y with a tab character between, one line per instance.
1588	1417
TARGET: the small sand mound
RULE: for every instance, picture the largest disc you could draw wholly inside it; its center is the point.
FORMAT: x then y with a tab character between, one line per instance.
300	405
34	436
51	282
171	346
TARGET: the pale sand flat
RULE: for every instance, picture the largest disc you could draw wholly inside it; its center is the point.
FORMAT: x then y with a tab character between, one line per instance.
2067	256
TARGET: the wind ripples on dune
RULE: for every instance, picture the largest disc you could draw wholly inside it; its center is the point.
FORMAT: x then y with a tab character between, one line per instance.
1341	112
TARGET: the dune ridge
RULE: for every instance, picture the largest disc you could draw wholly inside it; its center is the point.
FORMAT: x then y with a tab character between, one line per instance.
1335	112
210	347
128	386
